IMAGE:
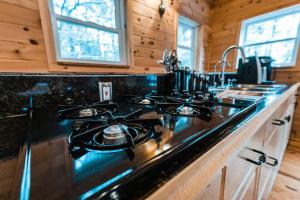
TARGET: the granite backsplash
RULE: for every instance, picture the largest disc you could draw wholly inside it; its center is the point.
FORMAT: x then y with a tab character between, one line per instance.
18	91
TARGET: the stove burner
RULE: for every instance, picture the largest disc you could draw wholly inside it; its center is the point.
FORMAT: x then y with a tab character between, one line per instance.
145	101
115	134
148	99
184	107
88	112
121	136
111	132
85	111
186	110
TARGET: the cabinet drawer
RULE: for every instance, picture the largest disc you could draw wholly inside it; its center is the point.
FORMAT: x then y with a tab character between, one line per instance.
272	149
240	170
277	115
292	99
289	115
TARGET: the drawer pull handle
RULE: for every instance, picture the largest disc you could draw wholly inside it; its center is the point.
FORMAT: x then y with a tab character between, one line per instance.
288	118
261	159
278	122
275	161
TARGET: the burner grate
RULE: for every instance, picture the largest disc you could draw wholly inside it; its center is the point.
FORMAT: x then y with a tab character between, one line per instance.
151	99
185	107
85	111
112	132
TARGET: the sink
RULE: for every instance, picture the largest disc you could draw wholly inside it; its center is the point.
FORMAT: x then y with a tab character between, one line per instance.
248	91
255	89
237	94
260	86
267	89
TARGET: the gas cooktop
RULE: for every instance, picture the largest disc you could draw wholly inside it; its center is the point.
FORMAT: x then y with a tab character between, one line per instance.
92	150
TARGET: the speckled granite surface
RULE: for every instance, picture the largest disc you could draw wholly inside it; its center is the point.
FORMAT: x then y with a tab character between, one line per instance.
52	89
12	134
18	91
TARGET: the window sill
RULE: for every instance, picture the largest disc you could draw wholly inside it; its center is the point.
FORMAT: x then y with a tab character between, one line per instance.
104	65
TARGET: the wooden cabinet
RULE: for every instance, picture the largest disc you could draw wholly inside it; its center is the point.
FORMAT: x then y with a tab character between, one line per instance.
243	167
272	150
245	177
213	190
289	115
249	193
274	146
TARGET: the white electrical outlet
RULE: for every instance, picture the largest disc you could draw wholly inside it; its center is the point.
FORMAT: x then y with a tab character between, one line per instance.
105	91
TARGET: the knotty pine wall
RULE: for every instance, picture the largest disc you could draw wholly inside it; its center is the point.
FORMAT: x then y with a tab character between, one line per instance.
22	44
227	17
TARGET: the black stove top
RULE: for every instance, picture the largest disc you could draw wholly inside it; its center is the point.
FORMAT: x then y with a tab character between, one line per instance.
79	151
111	132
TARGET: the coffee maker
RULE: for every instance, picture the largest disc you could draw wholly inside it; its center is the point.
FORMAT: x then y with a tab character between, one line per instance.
258	70
266	66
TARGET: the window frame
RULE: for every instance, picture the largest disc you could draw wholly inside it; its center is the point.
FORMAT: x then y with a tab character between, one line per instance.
270	16
195	26
120	30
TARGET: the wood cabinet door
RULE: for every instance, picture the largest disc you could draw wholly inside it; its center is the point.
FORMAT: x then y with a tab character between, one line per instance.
213	190
274	147
249	192
288	118
272	150
242	171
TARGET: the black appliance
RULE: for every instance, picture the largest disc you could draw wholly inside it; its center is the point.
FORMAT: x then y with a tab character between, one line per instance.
266	65
257	70
249	72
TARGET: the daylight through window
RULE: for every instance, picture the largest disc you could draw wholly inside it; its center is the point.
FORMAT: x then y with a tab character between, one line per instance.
187	42
89	31
275	34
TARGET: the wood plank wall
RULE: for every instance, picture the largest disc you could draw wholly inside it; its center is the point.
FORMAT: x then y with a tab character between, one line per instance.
22	44
227	17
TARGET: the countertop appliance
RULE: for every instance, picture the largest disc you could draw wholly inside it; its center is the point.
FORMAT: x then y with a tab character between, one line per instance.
266	65
257	70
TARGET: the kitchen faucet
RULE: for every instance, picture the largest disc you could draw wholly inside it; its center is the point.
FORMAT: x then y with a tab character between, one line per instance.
224	62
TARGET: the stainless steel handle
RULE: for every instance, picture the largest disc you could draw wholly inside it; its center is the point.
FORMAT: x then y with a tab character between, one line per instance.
278	122
275	161
261	158
288	118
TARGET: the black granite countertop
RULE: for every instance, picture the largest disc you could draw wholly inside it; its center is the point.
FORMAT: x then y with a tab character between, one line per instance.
22	146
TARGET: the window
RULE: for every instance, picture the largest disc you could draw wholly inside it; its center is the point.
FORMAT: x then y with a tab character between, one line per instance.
275	34
187	42
89	31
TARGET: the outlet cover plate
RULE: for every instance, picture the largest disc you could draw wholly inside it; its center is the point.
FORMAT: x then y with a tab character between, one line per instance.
105	91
